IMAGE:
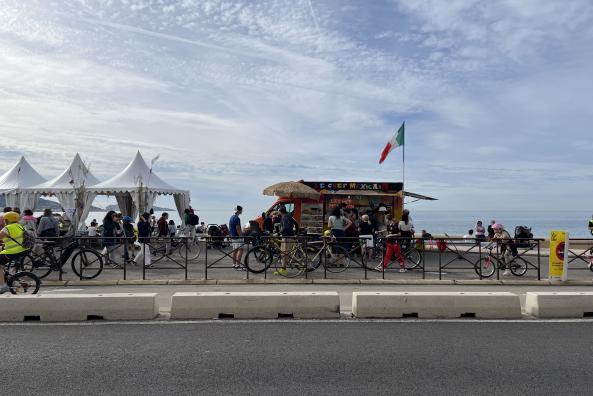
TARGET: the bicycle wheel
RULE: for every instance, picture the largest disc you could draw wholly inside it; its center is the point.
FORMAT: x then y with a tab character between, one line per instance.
413	258
337	258
258	259
87	264
518	266
313	257
291	264
24	283
192	249
40	265
488	267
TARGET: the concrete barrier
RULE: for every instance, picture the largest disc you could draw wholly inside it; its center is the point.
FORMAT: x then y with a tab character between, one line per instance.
559	304
76	307
263	305
494	305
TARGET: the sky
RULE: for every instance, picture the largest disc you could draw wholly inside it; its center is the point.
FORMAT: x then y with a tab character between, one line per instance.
497	96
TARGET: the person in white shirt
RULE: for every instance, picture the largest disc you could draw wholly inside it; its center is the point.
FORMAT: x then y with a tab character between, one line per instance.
92	230
406	228
469	236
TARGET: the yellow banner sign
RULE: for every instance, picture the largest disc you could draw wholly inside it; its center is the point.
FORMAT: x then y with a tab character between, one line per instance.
558	255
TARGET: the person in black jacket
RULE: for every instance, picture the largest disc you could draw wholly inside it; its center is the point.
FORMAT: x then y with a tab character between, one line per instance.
144	230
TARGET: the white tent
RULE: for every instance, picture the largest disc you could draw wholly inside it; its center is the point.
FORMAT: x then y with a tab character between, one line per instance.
136	187
71	188
14	183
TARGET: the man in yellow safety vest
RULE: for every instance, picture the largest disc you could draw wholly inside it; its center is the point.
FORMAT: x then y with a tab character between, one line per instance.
13	236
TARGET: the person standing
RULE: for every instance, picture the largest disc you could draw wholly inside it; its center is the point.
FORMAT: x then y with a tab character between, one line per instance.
338	223
108	236
406	228
13	238
480	232
144	231
163	231
491	230
508	249
591	225
288	230
129	236
367	232
191	221
235	232
392	247
268	223
48	226
28	221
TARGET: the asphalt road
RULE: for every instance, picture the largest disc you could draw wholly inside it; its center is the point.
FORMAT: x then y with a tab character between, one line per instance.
298	357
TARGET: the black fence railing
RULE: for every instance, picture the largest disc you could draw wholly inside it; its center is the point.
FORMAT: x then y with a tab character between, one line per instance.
308	256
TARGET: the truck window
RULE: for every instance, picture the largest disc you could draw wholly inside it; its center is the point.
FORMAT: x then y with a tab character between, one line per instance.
288	205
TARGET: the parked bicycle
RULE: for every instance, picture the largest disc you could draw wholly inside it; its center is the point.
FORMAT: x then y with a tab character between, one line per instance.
183	246
86	263
412	256
301	258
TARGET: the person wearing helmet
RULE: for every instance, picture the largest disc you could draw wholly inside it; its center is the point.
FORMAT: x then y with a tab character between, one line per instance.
507	246
13	237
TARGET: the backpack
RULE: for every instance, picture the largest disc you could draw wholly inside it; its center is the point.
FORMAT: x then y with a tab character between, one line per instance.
193	219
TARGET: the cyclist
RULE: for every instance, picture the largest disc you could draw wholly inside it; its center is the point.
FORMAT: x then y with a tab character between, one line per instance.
508	249
13	237
392	247
288	229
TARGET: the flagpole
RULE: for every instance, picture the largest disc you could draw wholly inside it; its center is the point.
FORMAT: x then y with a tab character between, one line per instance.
404	157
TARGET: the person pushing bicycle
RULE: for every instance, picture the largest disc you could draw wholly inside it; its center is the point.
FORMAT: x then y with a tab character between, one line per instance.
288	230
13	238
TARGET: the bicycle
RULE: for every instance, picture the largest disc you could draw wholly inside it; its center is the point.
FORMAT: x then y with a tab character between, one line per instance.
298	260
181	245
488	264
20	282
86	263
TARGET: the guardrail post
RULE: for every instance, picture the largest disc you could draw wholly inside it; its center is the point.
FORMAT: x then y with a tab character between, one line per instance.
499	261
206	259
144	259
440	259
186	254
538	261
423	258
243	256
480	259
127	254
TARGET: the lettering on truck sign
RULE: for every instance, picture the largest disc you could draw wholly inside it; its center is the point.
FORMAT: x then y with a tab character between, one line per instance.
369	186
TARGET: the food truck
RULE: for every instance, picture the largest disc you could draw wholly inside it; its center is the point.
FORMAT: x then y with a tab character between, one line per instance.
375	198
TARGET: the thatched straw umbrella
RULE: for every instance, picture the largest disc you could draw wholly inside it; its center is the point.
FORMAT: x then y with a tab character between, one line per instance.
292	190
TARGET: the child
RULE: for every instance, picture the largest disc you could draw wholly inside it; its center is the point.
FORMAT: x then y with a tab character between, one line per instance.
172	228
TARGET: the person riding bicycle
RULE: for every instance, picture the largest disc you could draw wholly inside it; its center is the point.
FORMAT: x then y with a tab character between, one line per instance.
392	245
508	249
13	238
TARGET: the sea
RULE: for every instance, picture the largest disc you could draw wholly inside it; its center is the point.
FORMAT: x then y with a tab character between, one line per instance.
458	222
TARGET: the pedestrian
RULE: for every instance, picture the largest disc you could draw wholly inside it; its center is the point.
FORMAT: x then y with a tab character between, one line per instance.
13	238
591	225
469	237
406	228
163	230
288	230
392	246
92	230
268	222
172	229
28	221
367	232
48	226
109	235
235	233
338	223
129	236
480	232
491	230
191	221
144	231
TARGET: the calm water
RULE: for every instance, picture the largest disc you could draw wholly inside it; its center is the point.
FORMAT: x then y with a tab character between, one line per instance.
541	222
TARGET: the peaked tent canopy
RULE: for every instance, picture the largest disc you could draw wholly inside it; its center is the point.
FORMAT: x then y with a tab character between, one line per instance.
136	187
71	188
14	183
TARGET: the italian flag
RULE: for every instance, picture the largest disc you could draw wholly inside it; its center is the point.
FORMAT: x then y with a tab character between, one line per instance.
396	141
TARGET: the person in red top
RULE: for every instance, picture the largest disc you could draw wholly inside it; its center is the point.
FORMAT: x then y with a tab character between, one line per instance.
163	229
392	247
